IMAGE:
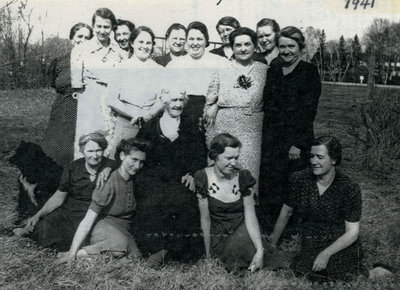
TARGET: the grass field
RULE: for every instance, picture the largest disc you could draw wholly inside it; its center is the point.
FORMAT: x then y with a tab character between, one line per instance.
23	116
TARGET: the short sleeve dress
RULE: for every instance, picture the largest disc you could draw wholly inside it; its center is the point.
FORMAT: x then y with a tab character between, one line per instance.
57	229
230	240
58	142
323	222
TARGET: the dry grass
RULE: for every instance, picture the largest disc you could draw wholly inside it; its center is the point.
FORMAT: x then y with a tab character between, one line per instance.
23	115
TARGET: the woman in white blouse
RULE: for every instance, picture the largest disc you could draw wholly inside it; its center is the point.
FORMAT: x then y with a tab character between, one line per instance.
91	66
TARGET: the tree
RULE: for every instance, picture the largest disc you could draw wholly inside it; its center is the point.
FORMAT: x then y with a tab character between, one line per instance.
320	55
312	39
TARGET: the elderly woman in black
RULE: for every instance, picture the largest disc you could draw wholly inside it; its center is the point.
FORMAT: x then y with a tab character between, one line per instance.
225	26
329	204
167	218
291	95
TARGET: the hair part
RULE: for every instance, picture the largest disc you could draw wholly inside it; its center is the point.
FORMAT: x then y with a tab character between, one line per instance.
243	31
269	22
332	145
76	27
293	33
127	23
220	142
175	26
228	21
127	145
106	14
97	137
197	25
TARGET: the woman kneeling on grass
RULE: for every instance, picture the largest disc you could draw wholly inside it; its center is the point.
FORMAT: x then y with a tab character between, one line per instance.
112	208
329	204
228	220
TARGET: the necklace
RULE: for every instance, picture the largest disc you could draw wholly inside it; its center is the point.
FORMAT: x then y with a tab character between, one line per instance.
92	173
244	80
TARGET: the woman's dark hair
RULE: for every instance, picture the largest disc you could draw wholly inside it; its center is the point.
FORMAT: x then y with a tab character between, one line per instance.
121	22
197	25
139	30
78	26
269	22
127	145
243	31
97	137
228	21
106	14
175	26
292	33
333	146
220	142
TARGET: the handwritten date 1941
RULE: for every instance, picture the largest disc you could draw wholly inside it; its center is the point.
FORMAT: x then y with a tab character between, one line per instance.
358	3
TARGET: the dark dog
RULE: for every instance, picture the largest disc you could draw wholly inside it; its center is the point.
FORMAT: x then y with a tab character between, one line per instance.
39	178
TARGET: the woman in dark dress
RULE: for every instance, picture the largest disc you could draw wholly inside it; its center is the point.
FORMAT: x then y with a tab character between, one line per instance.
59	138
167	218
55	224
291	95
329	204
228	220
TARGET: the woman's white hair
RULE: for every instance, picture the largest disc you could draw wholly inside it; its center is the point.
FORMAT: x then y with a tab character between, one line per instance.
168	94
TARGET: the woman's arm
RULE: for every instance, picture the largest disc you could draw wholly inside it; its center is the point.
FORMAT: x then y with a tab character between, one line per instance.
80	235
280	224
254	232
55	201
205	222
211	107
348	238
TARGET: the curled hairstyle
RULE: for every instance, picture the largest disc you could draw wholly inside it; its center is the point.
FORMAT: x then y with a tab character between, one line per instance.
293	33
269	22
168	94
333	146
97	137
121	22
175	26
76	27
228	21
197	25
243	31
141	29
220	142
127	145
106	14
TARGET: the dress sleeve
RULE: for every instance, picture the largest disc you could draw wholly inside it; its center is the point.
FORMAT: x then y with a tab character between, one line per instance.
293	199
101	198
76	68
65	181
213	89
246	181
51	73
200	182
353	204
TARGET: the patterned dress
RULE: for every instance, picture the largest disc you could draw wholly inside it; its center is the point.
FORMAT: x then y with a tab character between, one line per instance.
323	222
240	112
59	137
230	240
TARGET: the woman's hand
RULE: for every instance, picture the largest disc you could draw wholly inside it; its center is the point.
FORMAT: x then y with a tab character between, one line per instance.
65	257
294	153
321	262
102	178
32	222
188	180
210	113
257	261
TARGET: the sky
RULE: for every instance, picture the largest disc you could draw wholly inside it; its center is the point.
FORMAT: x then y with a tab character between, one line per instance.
57	16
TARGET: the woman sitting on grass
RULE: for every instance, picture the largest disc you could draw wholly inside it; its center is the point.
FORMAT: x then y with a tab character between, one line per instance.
111	212
54	225
228	220
329	204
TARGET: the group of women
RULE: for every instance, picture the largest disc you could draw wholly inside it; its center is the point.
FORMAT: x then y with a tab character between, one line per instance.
225	126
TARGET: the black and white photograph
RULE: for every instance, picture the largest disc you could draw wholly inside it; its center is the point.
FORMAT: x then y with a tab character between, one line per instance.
187	144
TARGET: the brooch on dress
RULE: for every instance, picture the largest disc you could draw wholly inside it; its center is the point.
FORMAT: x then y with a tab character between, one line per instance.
243	82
